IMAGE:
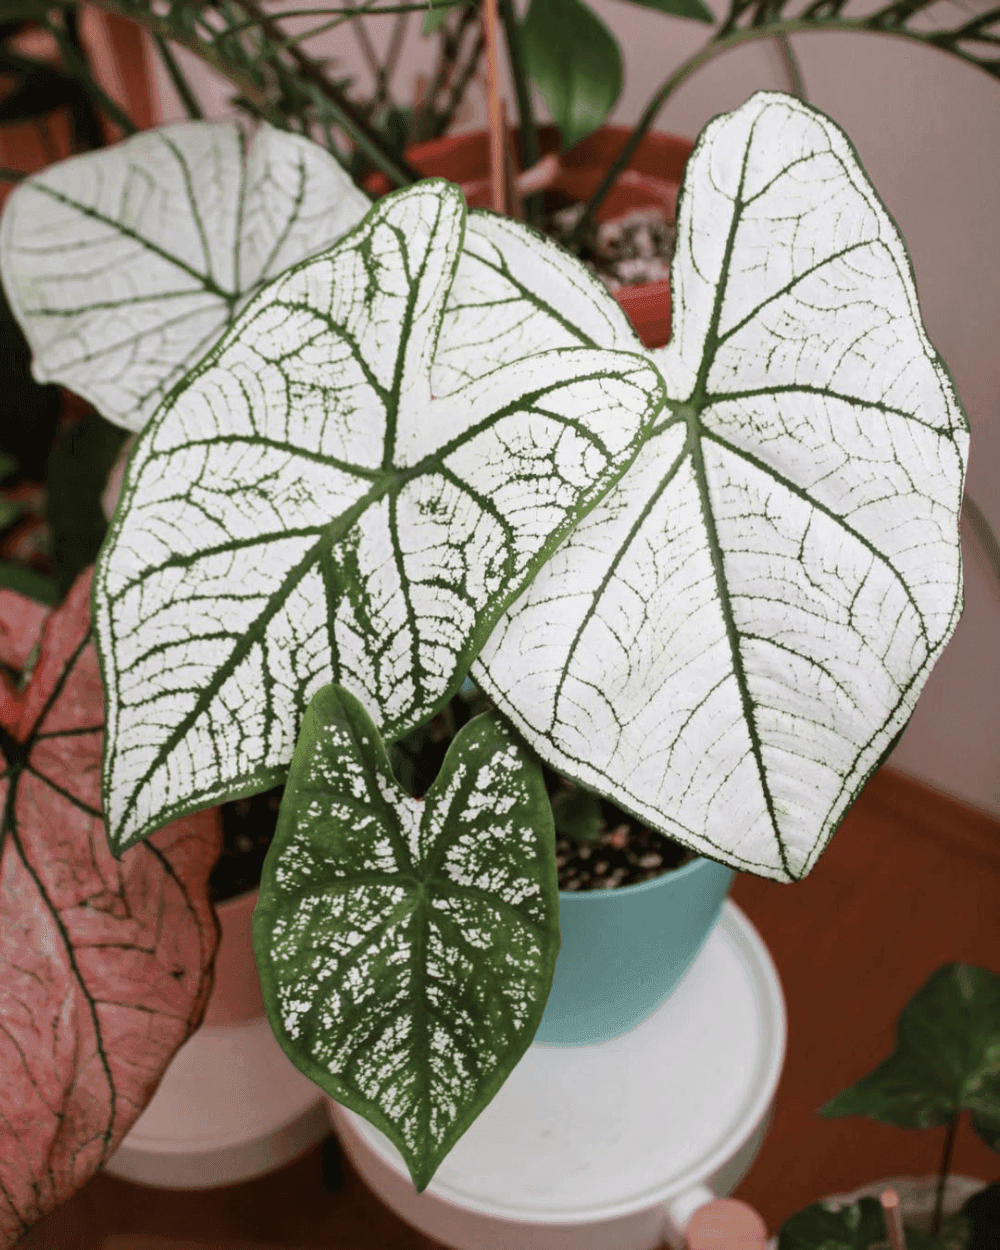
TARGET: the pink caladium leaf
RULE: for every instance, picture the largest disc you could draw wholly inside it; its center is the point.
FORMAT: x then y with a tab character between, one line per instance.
105	965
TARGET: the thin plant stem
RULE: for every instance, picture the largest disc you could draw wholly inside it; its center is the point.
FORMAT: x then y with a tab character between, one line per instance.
251	95
76	67
466	76
367	47
188	99
522	88
395	47
342	15
792	68
450	47
12	175
949	1145
983	531
494	114
346	114
715	47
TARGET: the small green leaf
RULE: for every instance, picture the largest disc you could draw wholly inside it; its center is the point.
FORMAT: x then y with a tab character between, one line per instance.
577	814
947	1059
406	948
575	62
854	1227
695	9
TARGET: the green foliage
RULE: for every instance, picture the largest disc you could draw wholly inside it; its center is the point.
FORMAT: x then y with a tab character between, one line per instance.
947	1059
575	62
858	1227
577	814
27	582
28	412
435	17
81	458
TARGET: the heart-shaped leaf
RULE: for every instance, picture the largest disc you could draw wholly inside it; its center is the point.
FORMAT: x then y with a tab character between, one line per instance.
124	266
303	509
858	1226
105	965
946	1061
575	62
746	620
406	947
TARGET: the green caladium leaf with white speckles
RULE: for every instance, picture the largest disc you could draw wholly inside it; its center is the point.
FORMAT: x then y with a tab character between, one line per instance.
406	947
124	266
304	509
730	642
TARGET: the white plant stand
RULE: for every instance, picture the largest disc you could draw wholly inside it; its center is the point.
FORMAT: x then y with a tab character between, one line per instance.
611	1146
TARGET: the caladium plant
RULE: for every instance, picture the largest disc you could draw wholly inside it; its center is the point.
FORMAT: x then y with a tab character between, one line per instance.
945	1062
105	961
706	581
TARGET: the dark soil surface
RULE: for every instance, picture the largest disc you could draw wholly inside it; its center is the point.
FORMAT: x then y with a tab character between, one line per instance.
620	850
628	251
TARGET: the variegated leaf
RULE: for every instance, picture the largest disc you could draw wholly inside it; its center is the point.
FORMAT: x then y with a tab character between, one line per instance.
730	643
406	947
303	509
124	266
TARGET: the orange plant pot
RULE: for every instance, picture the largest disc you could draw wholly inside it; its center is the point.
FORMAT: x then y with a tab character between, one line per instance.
651	179
118	52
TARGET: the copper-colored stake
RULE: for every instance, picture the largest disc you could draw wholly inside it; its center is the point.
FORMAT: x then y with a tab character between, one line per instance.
893	1219
494	112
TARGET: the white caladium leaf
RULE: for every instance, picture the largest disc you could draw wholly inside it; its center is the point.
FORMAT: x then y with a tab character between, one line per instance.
303	510
406	947
124	266
729	644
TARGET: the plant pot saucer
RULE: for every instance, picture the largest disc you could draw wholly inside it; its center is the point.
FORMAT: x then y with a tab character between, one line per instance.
610	1146
917	1195
231	1106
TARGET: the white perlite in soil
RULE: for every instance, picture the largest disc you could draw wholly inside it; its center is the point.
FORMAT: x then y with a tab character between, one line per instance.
630	250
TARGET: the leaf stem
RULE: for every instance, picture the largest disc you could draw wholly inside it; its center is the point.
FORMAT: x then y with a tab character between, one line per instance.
450	44
715	47
464	77
75	65
188	98
983	532
949	1145
344	113
347	116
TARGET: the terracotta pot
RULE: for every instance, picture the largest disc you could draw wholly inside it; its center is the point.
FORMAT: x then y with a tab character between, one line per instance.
651	179
917	1195
117	51
236	994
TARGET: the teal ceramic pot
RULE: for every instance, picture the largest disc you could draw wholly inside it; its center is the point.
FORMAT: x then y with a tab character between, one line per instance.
625	950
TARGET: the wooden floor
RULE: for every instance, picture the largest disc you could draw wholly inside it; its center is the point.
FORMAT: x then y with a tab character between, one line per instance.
910	881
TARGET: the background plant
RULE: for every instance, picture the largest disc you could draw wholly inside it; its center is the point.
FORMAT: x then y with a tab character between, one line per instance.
944	1064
